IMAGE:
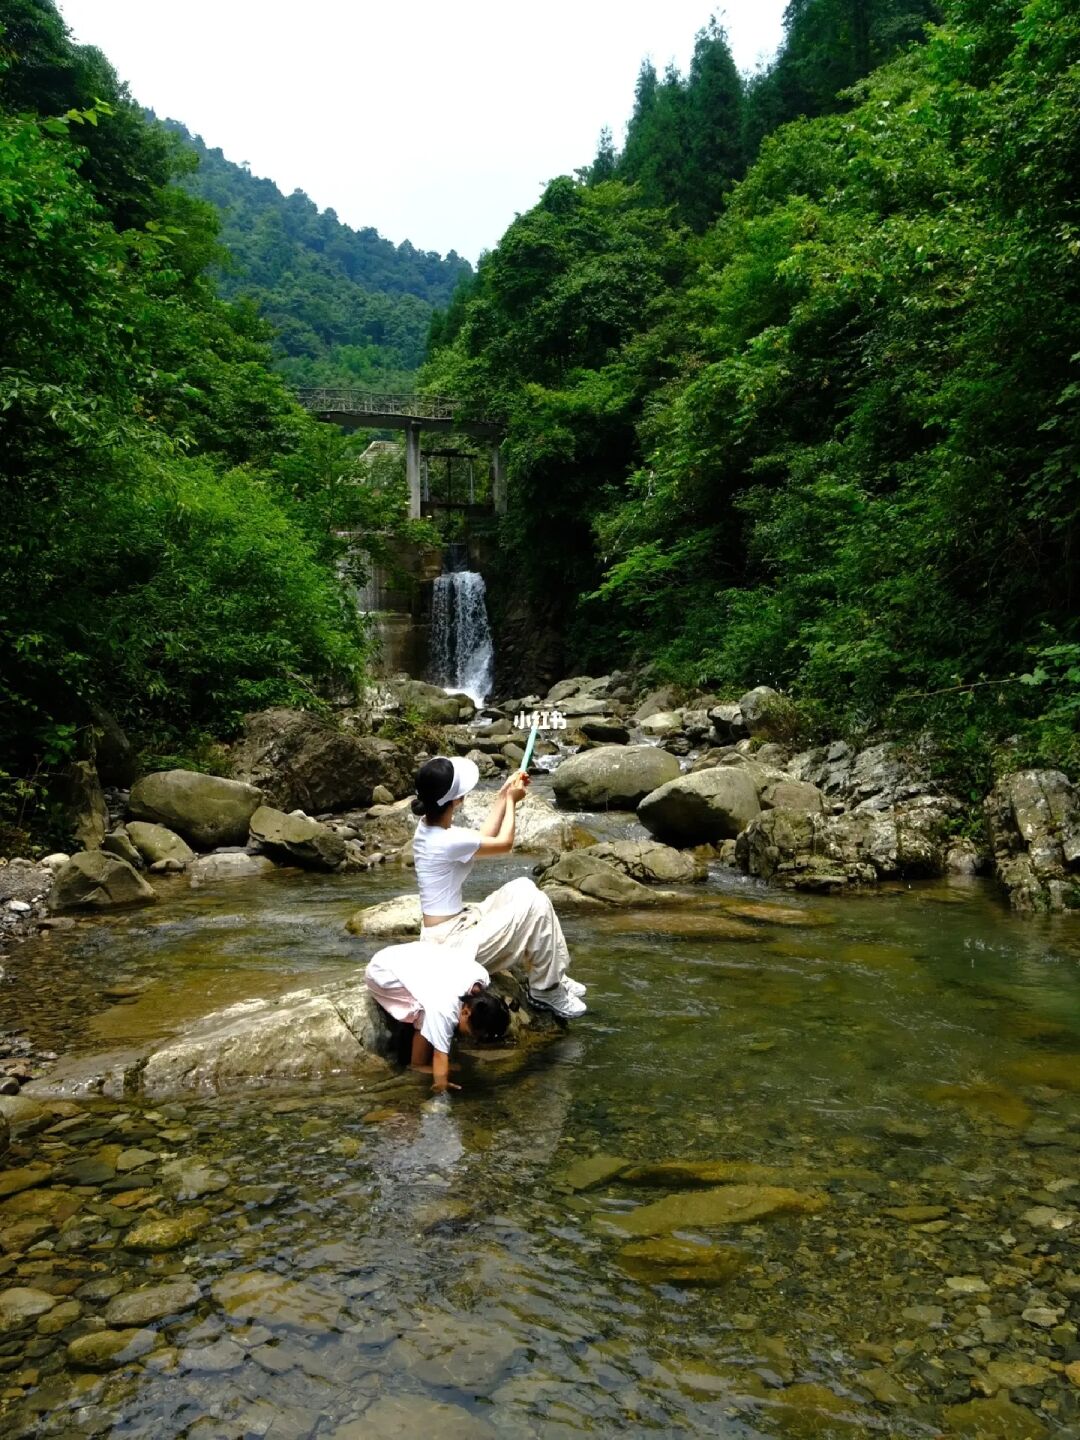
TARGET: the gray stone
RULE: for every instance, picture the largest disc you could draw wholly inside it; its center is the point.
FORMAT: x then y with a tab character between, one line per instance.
142	1307
605	730
312	1034
701	808
108	1349
404	1417
792	795
297	838
768	715
563	689
235	865
261	1297
582	705
156	842
615	777
205	809
21	1305
655	702
213	1359
396	919
585	873
95	880
861	847
85	804
649	862
1034	821
118	842
727	723
663	722
301	761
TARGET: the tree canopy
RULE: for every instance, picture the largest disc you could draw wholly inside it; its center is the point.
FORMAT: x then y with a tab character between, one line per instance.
829	438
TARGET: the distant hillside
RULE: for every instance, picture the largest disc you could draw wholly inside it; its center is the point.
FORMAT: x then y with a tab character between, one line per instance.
348	306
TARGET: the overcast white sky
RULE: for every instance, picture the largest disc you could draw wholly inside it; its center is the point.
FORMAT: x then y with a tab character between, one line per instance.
432	121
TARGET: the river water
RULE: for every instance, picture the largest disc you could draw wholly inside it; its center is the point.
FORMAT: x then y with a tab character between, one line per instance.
904	1069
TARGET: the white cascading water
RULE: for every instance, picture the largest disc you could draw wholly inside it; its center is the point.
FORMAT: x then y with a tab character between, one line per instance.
462	655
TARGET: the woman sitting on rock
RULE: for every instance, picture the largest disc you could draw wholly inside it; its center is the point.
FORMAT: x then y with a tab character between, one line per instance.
439	995
516	925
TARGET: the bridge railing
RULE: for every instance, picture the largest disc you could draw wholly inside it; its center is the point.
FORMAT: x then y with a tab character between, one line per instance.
333	399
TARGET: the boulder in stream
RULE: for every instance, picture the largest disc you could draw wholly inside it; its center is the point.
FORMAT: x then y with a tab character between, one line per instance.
1034	822
396	919
206	810
304	1035
820	852
612	777
156	842
649	862
297	838
583	878
703	807
301	761
95	880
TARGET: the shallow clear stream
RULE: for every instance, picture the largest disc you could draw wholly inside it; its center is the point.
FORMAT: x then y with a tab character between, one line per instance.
435	1267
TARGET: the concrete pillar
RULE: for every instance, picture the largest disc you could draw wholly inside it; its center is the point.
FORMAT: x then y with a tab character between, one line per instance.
412	469
498	481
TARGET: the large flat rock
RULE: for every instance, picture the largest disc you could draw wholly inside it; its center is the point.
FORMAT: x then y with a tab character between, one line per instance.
304	1035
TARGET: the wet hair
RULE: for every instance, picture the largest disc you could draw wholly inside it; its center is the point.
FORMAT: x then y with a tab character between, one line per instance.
433	780
489	1015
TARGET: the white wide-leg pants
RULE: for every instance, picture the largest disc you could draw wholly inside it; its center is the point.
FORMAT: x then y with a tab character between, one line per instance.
516	927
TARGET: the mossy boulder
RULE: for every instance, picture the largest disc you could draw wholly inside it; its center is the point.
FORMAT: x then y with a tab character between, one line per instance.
95	880
206	810
157	842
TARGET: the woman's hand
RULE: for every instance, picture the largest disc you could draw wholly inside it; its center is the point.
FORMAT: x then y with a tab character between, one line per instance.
517	787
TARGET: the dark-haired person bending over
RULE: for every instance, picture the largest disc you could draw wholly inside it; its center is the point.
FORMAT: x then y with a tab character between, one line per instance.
438	995
516	926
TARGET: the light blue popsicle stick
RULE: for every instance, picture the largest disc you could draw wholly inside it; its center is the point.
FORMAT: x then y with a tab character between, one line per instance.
529	746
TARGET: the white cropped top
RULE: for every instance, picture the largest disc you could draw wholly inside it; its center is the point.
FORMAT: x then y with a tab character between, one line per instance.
443	859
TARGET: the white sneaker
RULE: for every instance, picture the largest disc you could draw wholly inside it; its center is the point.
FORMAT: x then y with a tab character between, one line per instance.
558	999
573	987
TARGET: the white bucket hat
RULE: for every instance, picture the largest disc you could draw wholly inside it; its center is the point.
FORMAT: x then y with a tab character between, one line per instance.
466	776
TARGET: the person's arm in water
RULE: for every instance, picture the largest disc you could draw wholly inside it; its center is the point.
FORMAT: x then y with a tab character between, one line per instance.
440	1073
501	841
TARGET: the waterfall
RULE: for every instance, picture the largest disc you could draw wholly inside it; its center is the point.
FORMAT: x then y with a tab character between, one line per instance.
462	655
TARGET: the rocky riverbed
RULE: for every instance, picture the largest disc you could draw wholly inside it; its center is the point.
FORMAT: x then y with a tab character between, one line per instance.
810	1166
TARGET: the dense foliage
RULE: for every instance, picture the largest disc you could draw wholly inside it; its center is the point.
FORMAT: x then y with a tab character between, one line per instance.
166	551
831	442
347	307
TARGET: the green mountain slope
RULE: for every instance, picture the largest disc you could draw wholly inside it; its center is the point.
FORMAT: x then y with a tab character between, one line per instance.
348	307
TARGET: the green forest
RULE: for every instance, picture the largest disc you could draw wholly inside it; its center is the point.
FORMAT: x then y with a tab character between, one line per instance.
793	377
346	306
167	557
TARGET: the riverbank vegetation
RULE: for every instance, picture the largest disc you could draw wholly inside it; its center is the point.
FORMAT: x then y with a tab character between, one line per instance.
793	377
169	552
